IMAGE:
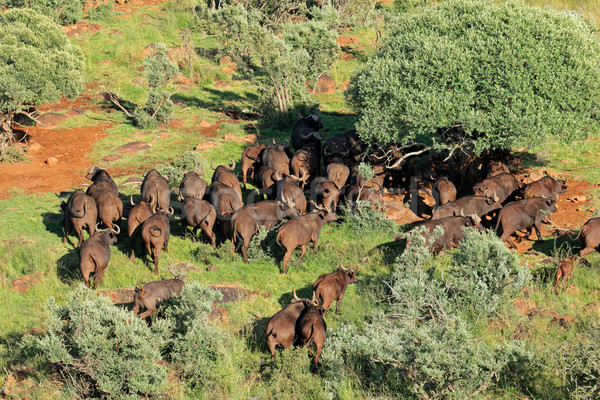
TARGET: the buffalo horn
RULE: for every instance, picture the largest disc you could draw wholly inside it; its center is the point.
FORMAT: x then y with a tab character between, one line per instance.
274	141
303	176
116	231
342	267
277	175
314	117
462	212
131	200
90	170
180	171
326	151
496	198
347	150
211	164
107	165
97	226
171	211
555	194
314	300
296	296
232	167
543	196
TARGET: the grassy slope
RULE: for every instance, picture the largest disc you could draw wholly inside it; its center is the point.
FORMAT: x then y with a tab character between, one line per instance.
30	230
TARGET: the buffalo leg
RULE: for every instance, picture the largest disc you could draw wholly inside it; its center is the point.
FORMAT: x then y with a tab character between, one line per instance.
337	305
303	253
98	277
155	258
286	258
537	226
166	245
506	238
586	251
146	314
318	353
245	245
208	230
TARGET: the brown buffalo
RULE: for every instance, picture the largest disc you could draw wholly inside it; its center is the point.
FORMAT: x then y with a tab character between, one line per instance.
306	161
494	168
545	187
453	230
274	156
155	191
332	286
590	233
149	296
338	173
523	214
192	185
300	231
251	159
94	254
443	191
224	174
101	181
199	213
110	208
325	193
468	205
281	328
79	212
364	193
498	187
247	220
138	214
265	180
311	328
288	190
155	234
564	270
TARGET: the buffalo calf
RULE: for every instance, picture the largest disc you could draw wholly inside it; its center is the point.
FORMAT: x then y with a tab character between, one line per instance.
282	326
155	234
152	293
311	328
138	214
564	270
332	286
94	255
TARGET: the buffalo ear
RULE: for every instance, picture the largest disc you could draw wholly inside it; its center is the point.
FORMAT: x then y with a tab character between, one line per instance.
63	205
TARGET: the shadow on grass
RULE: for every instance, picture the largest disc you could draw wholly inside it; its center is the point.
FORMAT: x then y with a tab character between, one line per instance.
67	267
215	99
54	224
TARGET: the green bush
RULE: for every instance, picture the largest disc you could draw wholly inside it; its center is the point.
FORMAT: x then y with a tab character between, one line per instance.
263	246
482	74
363	219
63	12
189	161
484	271
99	349
103	11
38	64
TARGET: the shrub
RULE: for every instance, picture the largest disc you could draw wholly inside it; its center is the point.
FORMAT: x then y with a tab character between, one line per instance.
158	70
103	11
100	349
189	161
482	74
484	271
63	12
38	64
263	246
364	219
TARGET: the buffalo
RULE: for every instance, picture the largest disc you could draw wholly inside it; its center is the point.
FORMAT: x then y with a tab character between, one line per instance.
155	234
443	191
523	214
590	233
152	293
251	160
138	214
545	187
274	156
199	213
311	328
247	220
325	193
343	148
332	286
288	190
101	181
94	254
306	161
192	185
338	173
300	231
468	205
224	174
564	270
498	187
79	212
265	180
281	328
453	230
306	131
110	208
155	191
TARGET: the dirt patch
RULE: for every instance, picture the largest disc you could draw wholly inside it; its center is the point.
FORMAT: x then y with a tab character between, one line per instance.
119	296
133	147
347	40
24	283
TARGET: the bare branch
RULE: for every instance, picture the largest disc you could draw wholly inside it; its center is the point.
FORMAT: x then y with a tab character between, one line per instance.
407	155
115	102
31	117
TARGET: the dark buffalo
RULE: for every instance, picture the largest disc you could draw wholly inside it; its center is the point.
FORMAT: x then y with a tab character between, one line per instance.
338	173
274	156
101	181
155	191
247	220
251	160
155	234
443	191
281	328
311	328
545	187
342	148
332	286
110	208
468	205
224	174
192	185
79	211
300	231
138	214
493	168
453	230
289	191
94	255
199	213
306	161
498	187
590	233
306	131
523	214
152	293
223	198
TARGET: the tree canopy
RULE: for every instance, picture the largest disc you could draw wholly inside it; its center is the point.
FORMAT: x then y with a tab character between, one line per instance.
481	74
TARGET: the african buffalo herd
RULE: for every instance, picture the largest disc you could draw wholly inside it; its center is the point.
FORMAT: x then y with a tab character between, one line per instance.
468	191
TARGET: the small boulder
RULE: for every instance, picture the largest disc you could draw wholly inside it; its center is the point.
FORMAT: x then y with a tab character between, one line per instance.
133	147
51	161
34	146
51	120
326	85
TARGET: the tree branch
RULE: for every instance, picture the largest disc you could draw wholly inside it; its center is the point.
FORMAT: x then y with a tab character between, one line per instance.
116	103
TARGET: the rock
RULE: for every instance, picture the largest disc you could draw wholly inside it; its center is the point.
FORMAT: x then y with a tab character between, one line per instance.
231	292
133	147
565	160
523	306
563	320
119	296
75	112
34	146
543	313
400	214
346	40
176	122
250	139
325	85
24	283
204	124
219	314
577	199
115	32
204	146
178	55
112	157
51	161
51	120
593	307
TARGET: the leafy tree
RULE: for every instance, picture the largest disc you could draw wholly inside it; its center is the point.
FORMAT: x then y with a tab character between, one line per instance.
38	64
480	73
281	56
63	12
